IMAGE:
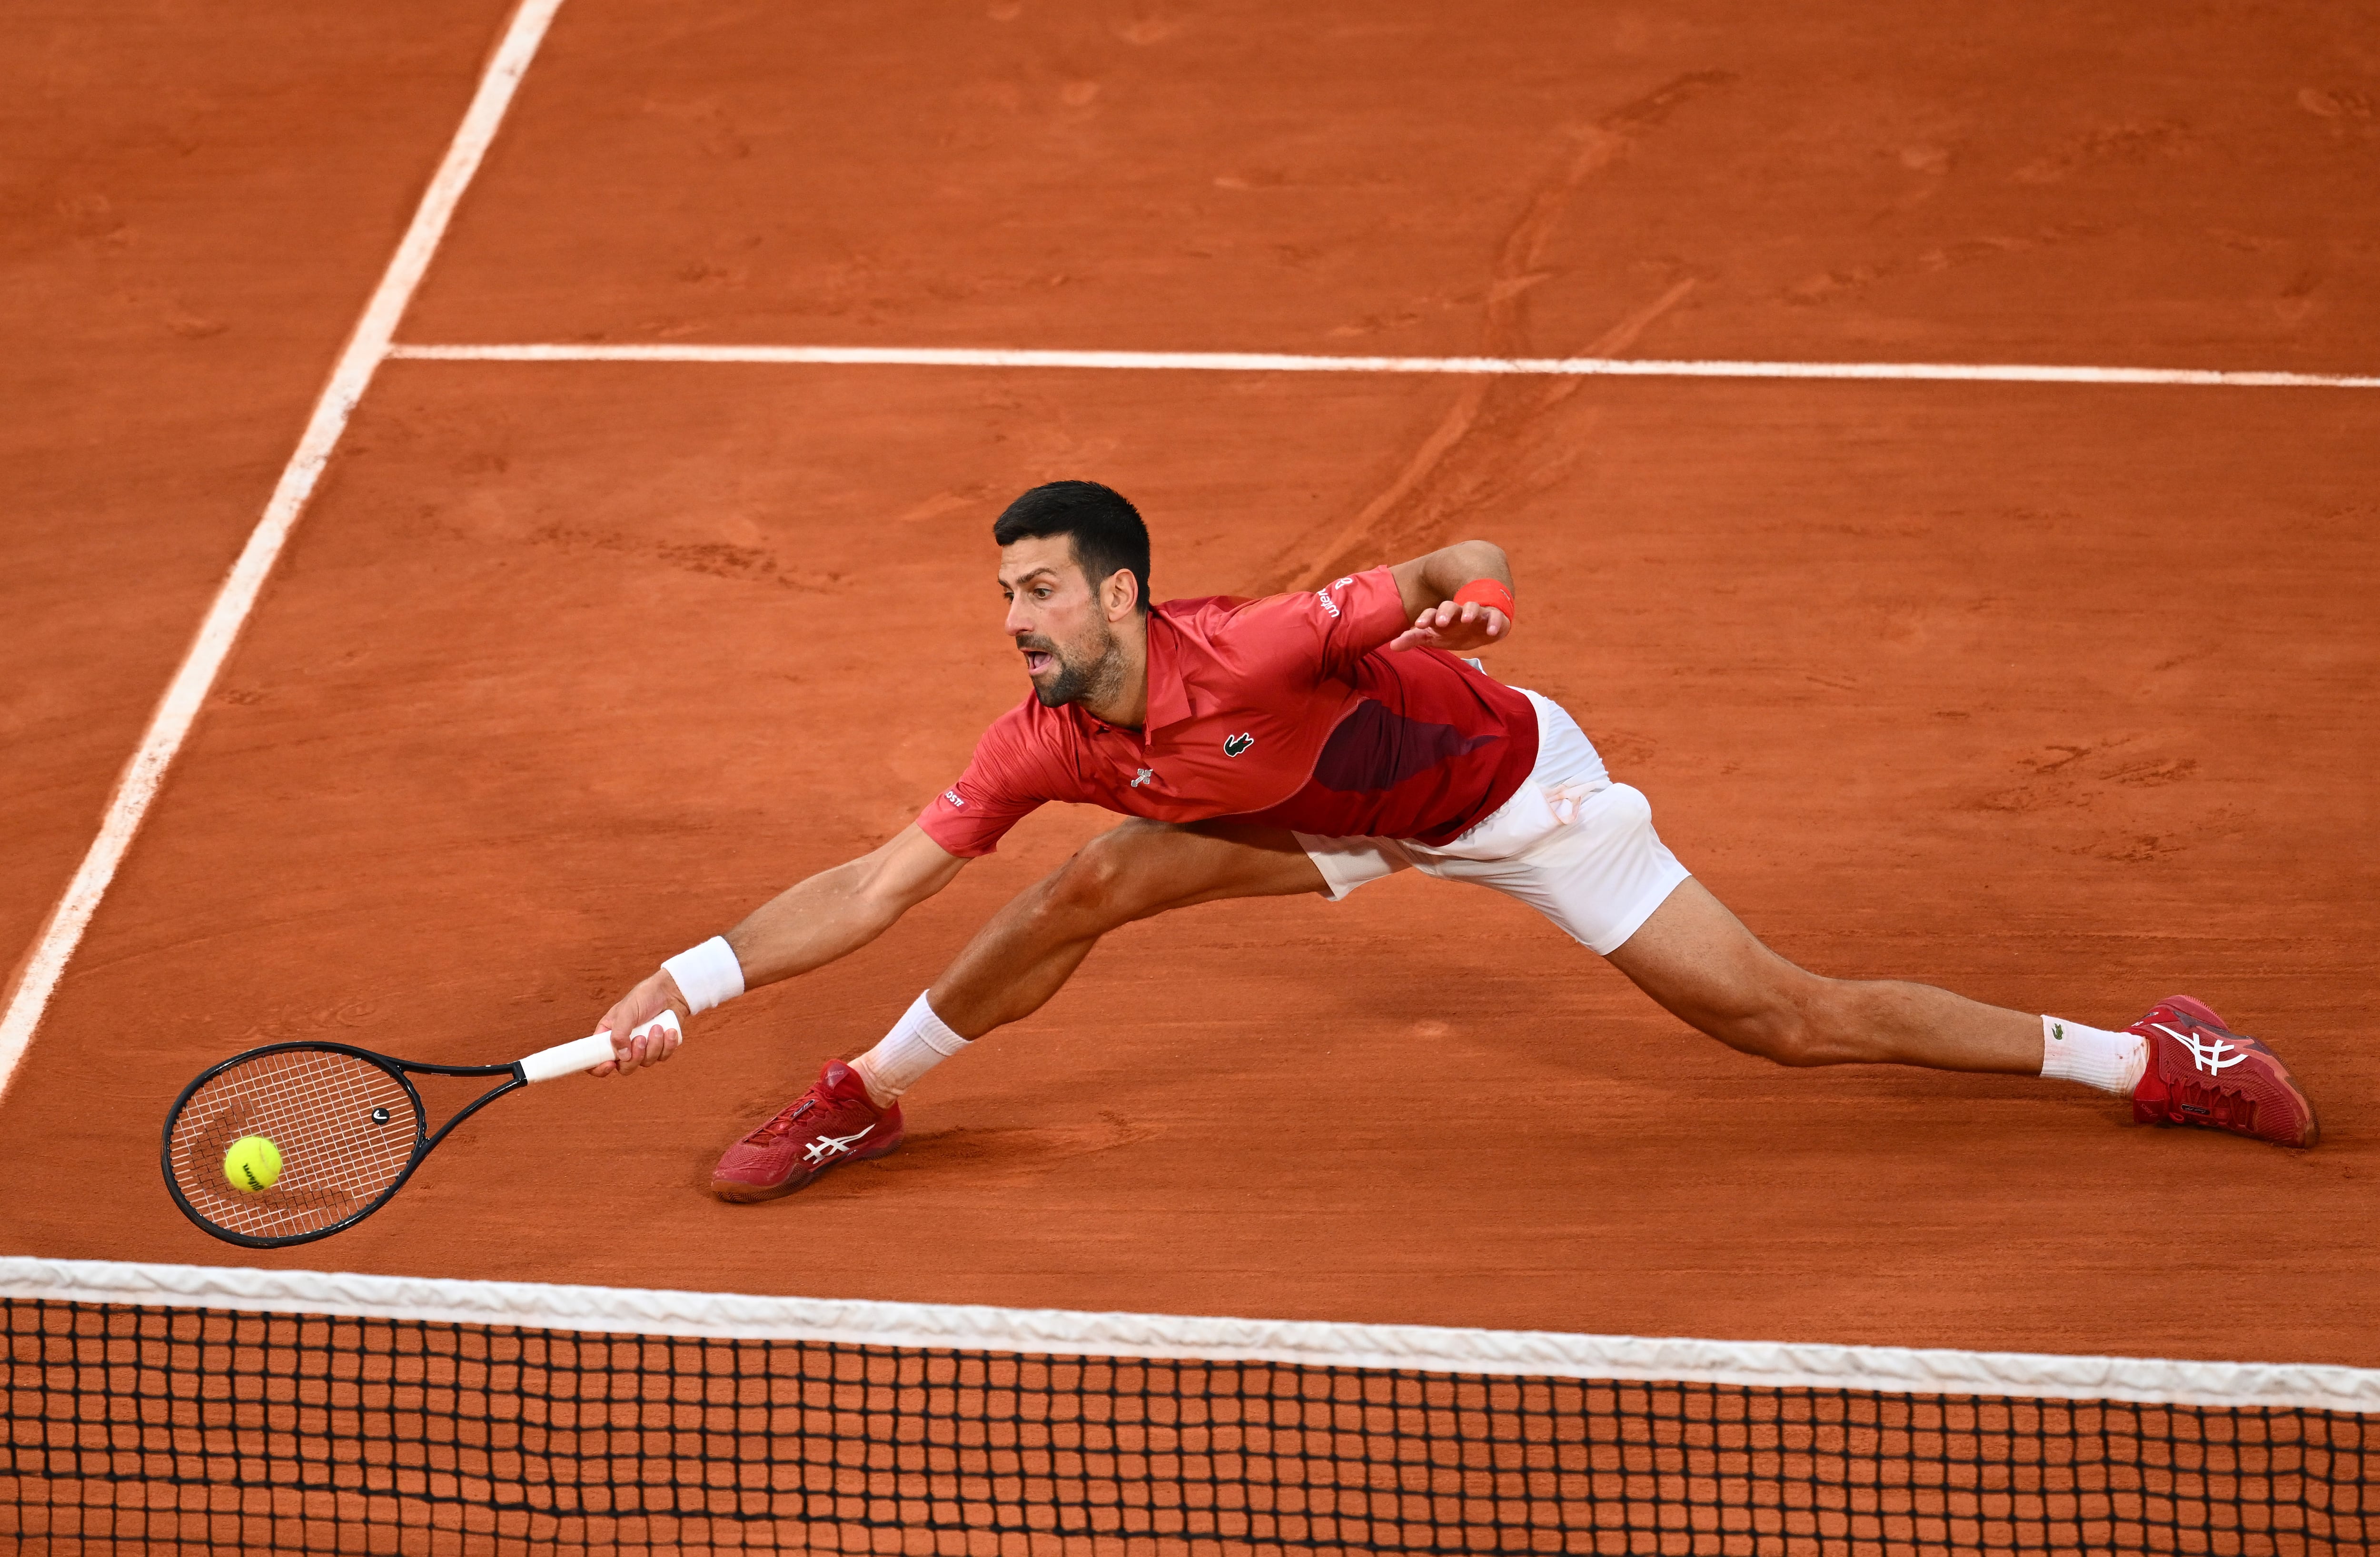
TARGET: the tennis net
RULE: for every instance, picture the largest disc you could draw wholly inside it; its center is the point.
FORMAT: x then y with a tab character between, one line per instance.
179	1408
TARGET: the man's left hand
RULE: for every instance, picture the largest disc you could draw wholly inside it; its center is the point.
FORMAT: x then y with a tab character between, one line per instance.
1455	628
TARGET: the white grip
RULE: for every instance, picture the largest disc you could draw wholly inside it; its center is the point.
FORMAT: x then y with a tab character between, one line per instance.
585	1053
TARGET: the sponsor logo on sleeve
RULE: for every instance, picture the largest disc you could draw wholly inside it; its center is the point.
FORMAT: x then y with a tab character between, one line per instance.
1327	603
954	797
1235	745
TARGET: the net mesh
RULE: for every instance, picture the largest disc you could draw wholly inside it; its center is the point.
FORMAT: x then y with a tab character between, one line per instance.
186	1428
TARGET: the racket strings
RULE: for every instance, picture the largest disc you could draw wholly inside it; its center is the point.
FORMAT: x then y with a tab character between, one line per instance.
344	1128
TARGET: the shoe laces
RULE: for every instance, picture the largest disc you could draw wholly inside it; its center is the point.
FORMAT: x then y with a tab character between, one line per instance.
781	1122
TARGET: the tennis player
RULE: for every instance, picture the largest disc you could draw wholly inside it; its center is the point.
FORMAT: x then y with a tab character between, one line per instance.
1313	742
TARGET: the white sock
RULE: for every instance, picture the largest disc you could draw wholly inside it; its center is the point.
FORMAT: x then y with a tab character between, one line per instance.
918	1042
2113	1062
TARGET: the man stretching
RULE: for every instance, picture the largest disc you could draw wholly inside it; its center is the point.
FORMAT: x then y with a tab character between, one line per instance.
1312	743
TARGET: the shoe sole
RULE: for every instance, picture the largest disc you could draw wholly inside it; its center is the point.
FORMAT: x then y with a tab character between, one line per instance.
751	1194
2312	1134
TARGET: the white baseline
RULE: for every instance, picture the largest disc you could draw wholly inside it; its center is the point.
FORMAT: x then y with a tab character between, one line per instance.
367	347
1285	362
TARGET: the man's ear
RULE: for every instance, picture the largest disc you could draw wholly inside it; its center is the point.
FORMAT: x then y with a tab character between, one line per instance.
1119	594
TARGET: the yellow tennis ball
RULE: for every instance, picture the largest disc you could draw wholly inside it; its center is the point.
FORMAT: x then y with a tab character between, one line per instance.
252	1164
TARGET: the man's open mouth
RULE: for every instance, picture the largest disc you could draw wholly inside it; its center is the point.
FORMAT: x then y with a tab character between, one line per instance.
1039	660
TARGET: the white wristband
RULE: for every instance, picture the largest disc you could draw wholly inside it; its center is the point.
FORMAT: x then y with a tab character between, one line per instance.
708	974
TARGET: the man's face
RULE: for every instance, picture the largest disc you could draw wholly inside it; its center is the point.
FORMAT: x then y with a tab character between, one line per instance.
1056	621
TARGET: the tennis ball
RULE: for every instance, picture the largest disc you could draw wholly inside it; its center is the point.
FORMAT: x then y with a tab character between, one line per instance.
252	1164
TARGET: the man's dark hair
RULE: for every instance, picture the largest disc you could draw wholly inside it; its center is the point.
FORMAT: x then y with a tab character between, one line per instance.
1107	533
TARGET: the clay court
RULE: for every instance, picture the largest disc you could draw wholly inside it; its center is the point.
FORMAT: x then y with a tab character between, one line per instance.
2056	692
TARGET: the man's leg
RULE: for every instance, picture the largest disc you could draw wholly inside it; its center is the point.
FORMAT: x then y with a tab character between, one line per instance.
2179	1064
1030	948
1015	962
1705	968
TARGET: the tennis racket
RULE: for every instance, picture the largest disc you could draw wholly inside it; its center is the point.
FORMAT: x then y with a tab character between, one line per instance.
347	1123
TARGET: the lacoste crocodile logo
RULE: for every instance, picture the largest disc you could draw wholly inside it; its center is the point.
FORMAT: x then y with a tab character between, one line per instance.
1235	745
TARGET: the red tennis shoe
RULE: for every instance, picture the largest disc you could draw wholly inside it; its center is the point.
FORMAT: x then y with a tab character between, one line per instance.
831	1123
2200	1072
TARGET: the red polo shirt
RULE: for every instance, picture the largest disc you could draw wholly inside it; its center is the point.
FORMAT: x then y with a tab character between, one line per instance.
1285	711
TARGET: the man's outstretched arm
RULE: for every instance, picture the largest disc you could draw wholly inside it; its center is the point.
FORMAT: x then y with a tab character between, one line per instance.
1430	585
809	926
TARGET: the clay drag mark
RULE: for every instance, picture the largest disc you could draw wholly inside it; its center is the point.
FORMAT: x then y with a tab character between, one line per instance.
1479	457
1012	1155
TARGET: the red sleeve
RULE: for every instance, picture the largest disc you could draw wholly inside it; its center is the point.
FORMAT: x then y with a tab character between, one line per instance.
999	788
1349	618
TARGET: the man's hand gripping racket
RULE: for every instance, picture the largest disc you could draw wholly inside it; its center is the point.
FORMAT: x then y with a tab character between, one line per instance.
345	1126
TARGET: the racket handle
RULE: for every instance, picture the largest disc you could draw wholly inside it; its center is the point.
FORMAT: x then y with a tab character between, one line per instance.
585	1053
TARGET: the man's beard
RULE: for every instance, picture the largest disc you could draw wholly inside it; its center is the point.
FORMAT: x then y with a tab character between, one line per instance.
1078	679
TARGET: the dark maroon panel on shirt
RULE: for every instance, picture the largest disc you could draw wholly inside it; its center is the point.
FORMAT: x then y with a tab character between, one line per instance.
1374	749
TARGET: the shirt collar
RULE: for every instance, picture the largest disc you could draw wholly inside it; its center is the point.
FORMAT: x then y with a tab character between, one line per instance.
1169	700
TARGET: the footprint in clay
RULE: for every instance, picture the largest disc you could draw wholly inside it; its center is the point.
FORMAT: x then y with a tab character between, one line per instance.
1009	1155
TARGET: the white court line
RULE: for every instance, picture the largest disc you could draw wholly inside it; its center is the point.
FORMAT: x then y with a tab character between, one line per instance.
1283	362
170	725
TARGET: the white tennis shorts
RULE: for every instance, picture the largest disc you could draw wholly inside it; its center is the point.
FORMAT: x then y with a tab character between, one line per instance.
1572	844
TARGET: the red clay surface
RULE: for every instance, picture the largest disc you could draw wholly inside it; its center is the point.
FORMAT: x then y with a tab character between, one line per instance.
2049	182
2051	694
188	230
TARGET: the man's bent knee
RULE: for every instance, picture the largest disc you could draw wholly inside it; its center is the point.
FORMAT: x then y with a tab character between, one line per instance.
1142	868
1802	1024
1110	878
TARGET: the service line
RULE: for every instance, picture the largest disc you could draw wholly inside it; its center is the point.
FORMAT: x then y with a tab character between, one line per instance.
1285	362
219	629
